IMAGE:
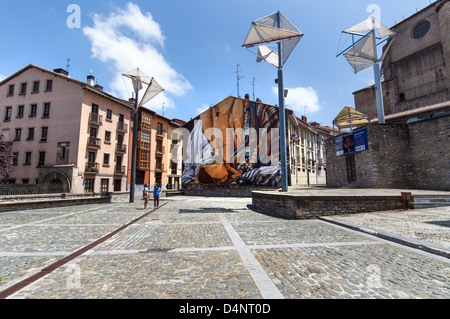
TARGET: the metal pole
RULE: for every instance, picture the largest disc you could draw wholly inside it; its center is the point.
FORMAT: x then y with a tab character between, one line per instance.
378	87
134	150
284	170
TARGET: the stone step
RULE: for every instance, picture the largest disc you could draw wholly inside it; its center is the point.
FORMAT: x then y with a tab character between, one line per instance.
430	201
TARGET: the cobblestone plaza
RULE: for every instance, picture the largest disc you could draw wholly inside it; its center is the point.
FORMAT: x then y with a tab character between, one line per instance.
209	248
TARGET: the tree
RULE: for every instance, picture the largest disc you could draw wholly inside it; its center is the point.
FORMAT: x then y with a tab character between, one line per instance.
6	157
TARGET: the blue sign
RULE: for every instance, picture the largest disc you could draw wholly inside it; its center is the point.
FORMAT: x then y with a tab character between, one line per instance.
351	143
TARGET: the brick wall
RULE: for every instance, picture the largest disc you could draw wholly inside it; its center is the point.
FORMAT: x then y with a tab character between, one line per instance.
399	156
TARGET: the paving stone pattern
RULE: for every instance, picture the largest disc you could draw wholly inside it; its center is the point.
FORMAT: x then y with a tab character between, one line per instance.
186	249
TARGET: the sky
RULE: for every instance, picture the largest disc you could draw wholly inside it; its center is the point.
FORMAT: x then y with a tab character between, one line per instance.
193	48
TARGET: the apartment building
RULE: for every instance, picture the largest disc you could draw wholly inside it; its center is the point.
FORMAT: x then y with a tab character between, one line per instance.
307	154
64	131
153	155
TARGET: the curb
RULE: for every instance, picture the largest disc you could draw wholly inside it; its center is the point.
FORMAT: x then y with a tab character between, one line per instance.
417	244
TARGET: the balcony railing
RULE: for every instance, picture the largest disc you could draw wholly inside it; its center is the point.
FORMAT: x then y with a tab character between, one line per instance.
94	143
122	127
160	149
161	133
92	168
95	119
119	170
121	148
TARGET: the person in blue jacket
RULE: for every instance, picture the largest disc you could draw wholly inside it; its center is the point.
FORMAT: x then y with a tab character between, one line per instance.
156	193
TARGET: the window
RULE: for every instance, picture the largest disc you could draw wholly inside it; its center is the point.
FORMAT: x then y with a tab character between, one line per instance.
104	188
23	89
46	114
49	86
62	154
36	87
25	181
11	90
109	114
28	158
95	108
8	114
44	134
106	159
421	29
89	185
20	109
117	185
15	159
107	137
30	134
33	110
18	134
41	161
159	129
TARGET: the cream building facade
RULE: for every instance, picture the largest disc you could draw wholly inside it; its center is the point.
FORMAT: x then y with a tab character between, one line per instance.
307	154
64	131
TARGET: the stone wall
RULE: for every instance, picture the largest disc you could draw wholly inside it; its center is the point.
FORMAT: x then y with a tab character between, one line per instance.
416	70
399	156
292	206
222	191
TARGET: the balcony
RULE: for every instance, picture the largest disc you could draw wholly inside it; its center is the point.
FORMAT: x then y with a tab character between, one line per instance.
92	168
119	170
95	119
121	148
159	167
160	149
122	127
161	133
94	143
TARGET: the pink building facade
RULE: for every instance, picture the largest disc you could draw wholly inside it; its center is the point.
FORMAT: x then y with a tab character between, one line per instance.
64	131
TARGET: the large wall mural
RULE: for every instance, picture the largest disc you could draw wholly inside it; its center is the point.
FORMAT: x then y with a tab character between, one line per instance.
234	143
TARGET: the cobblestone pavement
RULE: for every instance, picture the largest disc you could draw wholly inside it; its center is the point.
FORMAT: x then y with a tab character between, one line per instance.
207	248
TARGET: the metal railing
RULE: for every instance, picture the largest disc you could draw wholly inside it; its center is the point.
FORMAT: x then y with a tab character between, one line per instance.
95	118
6	190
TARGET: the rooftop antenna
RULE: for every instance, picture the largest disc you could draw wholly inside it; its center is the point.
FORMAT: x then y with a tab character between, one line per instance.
253	84
238	79
363	53
68	65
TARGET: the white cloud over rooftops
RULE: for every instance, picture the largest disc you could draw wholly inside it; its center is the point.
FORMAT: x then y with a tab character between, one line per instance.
130	39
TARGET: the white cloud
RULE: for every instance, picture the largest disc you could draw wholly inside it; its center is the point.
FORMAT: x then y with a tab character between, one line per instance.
2	77
202	109
129	39
300	97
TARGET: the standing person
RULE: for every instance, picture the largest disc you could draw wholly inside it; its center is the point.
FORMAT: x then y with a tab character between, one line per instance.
145	194
156	193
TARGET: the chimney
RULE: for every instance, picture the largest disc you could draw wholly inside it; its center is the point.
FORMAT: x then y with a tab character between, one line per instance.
91	80
305	119
61	71
315	124
99	87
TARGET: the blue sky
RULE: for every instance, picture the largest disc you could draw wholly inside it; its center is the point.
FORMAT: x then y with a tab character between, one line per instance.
192	48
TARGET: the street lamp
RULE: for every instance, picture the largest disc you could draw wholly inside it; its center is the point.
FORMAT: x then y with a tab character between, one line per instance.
276	28
138	79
